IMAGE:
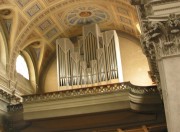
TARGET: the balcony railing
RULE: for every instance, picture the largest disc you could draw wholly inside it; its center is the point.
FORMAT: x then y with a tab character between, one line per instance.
102	89
77	92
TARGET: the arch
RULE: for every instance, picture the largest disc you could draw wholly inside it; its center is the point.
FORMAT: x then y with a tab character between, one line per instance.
3	49
30	67
21	66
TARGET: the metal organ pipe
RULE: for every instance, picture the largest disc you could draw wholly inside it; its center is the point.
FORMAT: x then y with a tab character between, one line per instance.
112	57
91	45
99	62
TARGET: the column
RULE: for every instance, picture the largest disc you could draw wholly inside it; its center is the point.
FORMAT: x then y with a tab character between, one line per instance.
161	44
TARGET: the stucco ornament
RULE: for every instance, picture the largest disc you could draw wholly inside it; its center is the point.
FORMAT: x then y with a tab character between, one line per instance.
162	38
159	40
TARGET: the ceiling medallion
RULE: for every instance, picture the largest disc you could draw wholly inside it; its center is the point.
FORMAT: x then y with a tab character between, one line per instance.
85	15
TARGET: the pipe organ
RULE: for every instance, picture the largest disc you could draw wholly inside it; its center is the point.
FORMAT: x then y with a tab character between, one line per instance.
94	60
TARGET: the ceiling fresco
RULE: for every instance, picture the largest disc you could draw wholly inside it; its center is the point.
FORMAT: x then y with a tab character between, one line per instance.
46	20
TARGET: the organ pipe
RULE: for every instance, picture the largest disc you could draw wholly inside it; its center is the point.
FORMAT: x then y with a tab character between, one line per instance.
96	60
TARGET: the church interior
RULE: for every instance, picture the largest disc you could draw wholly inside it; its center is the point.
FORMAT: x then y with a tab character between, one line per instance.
89	65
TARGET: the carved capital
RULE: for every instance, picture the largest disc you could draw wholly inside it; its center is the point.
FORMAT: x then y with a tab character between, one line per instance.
160	36
162	39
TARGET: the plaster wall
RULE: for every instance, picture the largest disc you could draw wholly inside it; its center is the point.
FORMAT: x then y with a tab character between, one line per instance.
134	63
50	83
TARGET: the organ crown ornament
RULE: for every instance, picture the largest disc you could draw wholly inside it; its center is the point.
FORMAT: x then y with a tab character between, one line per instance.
94	59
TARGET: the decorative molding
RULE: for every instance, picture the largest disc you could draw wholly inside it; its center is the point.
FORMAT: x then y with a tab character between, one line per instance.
160	34
21	24
159	40
128	29
85	15
110	97
23	87
9	98
76	92
45	25
145	98
15	108
102	89
162	39
33	10
51	33
122	10
143	90
22	3
125	20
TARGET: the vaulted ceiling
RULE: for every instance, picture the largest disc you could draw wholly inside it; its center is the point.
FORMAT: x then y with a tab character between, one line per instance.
34	25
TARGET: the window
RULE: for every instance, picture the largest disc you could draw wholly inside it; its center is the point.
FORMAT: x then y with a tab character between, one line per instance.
21	67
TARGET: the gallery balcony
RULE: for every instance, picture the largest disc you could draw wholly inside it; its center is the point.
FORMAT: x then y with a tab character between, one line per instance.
120	105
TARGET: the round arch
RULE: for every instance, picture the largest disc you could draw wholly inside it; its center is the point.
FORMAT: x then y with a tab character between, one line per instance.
31	68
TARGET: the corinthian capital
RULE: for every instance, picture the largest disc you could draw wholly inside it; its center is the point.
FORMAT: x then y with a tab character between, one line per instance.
162	39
